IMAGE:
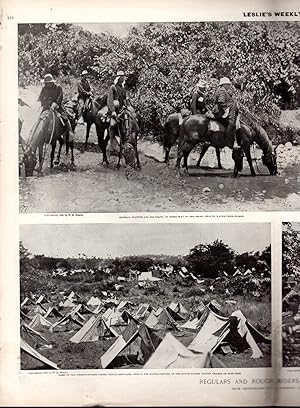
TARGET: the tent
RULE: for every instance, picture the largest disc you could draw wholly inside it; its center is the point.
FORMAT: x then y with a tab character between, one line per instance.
142	311
162	322
25	347
142	339
98	309
129	334
192	325
94	301
172	354
53	312
94	329
42	299
27	301
31	336
68	322
216	329
177	311
68	303
39	323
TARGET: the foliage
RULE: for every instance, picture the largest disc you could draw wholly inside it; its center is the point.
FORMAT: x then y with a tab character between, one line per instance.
163	62
209	260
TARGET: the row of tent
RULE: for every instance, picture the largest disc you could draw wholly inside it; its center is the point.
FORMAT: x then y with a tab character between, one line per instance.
148	332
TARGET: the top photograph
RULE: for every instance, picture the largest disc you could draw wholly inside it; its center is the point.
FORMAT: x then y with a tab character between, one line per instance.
159	117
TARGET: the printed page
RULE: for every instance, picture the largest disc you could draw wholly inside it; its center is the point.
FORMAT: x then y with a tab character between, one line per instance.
150	209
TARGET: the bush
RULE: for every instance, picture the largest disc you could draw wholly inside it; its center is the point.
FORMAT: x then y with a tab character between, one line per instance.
164	61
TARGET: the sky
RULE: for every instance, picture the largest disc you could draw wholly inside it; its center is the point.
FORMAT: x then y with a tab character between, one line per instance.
116	29
104	240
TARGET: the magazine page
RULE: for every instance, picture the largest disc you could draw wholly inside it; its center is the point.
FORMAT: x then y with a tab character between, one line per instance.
150	210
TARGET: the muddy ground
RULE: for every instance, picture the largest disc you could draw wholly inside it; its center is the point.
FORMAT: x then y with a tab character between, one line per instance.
157	187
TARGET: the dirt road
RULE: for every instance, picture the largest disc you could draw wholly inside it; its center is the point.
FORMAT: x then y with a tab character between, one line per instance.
94	188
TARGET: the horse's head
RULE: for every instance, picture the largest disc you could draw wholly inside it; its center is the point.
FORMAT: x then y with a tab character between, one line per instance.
270	161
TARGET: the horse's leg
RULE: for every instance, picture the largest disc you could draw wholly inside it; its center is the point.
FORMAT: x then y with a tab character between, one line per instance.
249	159
53	145
59	152
71	145
167	154
202	153
40	148
88	128
138	164
102	143
219	157
185	162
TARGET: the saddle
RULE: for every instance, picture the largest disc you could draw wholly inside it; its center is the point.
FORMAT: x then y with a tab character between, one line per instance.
215	126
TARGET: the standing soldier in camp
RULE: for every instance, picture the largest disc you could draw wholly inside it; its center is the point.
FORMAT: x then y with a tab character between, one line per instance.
198	99
51	98
225	109
116	100
84	95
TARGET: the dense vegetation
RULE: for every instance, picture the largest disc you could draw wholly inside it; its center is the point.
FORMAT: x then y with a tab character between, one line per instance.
164	61
215	262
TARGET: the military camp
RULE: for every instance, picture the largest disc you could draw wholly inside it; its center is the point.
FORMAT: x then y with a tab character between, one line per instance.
209	308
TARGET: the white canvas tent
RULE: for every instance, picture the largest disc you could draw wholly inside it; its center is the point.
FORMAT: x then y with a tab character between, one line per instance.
172	354
94	329
39	323
36	355
129	334
215	329
94	301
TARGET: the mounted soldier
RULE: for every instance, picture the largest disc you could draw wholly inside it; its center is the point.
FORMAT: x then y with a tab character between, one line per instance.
198	99
225	109
51	98
116	100
84	95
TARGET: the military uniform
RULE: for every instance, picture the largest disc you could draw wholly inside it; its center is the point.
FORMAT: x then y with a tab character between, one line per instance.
50	95
226	110
84	94
116	98
198	102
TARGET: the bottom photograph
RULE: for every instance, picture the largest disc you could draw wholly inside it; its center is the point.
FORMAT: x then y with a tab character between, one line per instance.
145	296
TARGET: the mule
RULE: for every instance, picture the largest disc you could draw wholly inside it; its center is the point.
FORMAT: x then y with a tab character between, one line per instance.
196	129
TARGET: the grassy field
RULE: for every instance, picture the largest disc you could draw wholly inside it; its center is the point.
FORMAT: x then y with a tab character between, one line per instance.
68	355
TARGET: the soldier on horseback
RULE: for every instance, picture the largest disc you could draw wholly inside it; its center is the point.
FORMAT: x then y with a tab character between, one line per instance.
116	100
51	98
198	99
225	109
84	95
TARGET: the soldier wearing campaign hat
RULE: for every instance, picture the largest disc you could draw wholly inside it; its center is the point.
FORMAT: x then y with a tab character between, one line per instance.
225	108
198	98
116	99
51	98
84	94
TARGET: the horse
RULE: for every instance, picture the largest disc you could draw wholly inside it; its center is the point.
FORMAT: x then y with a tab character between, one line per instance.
197	129
90	115
170	134
48	130
128	132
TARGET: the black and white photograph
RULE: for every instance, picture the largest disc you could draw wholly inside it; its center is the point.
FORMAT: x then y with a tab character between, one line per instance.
145	296
291	294
126	117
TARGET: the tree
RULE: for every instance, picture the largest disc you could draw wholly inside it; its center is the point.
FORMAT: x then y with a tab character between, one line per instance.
211	260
